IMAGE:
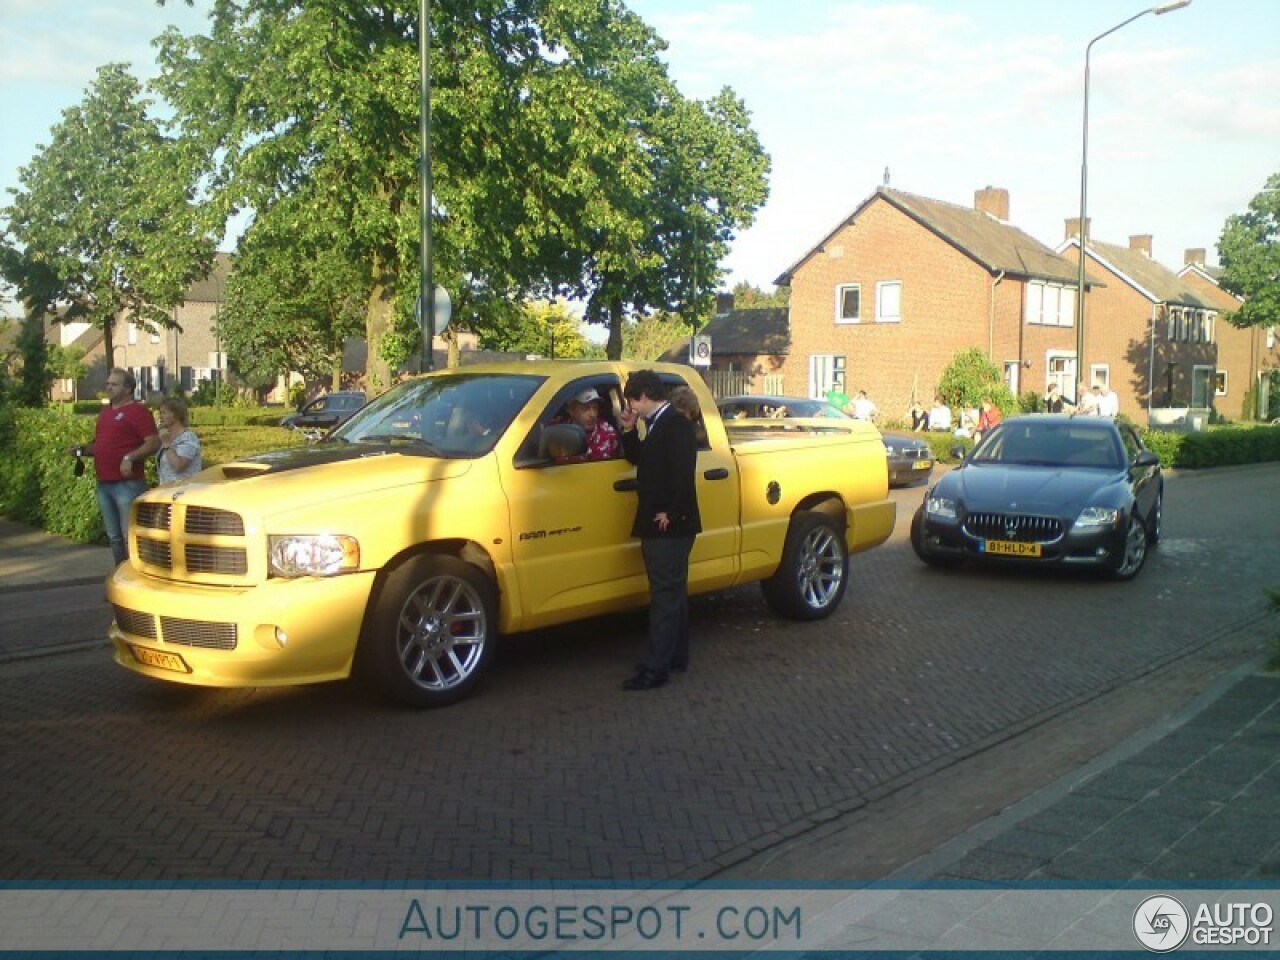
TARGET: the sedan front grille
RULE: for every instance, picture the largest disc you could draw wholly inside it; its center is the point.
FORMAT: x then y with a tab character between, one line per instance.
1012	526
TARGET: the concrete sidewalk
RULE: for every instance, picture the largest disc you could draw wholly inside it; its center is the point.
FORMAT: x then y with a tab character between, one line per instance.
31	559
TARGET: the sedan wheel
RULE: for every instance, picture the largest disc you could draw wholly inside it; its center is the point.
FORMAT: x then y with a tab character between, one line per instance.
1135	550
1155	522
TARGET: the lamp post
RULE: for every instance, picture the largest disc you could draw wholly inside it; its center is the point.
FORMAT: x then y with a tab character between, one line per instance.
426	285
1084	180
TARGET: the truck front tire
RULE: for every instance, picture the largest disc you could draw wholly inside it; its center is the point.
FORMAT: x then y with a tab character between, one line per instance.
432	633
810	581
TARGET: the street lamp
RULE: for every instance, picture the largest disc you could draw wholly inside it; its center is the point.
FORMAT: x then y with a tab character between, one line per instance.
426	285
1084	181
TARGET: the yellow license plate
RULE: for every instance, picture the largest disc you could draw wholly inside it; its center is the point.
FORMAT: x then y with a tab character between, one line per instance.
160	659
922	465
1011	548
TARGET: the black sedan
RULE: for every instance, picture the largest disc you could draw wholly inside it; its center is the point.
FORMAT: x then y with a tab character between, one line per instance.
910	458
1074	491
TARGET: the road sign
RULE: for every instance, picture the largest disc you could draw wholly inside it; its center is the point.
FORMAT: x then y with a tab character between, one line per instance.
700	350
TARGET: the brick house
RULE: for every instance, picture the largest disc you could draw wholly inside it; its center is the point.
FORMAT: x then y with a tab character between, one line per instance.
1147	333
748	349
160	361
886	300
1246	355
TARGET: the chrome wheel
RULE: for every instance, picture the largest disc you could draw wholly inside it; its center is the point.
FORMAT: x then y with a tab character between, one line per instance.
1135	550
432	632
811	579
1155	522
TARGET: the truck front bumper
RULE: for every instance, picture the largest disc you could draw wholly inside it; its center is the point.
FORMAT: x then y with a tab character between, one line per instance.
281	632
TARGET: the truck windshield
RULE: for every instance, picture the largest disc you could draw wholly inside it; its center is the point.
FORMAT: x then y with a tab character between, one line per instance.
452	414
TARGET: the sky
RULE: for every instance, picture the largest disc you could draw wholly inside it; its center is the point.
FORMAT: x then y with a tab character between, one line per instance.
939	97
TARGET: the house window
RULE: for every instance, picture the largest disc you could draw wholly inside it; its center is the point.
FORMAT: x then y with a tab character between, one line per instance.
826	373
849	303
155	336
1271	338
1100	373
1011	368
1061	369
1210	326
133	334
889	301
1220	383
1179	327
1050	304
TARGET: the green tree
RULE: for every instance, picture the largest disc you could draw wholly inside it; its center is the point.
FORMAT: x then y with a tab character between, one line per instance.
103	220
651	337
1249	251
747	297
970	376
564	161
66	363
546	328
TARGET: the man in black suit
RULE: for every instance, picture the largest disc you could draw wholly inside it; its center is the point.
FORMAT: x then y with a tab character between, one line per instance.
667	520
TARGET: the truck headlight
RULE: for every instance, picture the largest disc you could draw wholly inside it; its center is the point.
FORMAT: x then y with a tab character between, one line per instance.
313	555
1091	517
940	507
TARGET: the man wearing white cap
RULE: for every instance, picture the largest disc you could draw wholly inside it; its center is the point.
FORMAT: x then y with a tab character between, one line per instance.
602	439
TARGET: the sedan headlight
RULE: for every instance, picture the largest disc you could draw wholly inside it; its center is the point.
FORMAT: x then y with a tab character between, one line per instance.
313	555
888	448
940	507
1091	517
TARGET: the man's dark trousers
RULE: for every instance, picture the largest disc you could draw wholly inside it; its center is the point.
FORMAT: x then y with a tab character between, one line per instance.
666	562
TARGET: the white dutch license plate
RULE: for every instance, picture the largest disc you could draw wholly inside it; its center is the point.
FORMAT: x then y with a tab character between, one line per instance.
159	659
1011	548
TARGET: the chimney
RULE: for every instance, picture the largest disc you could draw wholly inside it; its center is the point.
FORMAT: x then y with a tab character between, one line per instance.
1194	257
724	303
1073	226
1141	241
992	200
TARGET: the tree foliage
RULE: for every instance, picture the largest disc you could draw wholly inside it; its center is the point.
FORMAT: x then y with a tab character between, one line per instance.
1249	251
103	221
748	297
545	328
564	160
651	337
970	376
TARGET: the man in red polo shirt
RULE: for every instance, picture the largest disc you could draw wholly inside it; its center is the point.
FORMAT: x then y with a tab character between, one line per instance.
123	439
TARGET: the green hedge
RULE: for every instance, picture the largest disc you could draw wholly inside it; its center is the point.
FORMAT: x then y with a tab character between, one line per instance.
1216	447
37	483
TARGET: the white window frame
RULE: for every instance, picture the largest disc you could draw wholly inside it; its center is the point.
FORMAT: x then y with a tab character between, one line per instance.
1058	310
1012	368
1220	383
881	315
1172	333
827	372
840	291
155	336
1065	378
1100	373
1210	326
133	335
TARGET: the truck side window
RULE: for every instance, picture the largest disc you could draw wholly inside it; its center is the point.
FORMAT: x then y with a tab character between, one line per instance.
583	402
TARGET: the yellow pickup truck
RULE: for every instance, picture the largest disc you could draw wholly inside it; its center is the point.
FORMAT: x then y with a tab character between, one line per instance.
458	507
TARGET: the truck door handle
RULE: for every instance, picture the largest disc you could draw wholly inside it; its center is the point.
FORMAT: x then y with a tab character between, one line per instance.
625	484
719	473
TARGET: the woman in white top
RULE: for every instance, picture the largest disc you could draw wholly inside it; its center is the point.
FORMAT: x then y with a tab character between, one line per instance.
179	455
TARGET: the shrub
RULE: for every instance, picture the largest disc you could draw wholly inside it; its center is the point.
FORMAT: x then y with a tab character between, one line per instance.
969	377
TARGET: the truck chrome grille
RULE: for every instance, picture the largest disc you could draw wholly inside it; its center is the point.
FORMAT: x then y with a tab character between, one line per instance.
198	633
1012	526
207	520
157	553
136	623
202	558
155	516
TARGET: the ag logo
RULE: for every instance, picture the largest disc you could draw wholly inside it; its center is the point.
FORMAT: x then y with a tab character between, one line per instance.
1161	923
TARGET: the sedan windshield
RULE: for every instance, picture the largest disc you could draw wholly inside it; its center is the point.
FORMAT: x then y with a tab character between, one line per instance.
1052	443
445	415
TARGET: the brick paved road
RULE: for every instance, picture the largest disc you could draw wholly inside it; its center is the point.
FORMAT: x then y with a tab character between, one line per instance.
552	772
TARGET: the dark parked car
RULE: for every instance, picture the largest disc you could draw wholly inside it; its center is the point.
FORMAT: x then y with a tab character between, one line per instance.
324	413
1075	491
910	458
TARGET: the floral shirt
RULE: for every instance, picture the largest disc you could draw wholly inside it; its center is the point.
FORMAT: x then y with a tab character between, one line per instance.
603	442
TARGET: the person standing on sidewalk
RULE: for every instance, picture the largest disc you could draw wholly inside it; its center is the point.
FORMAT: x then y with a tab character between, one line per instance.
667	520
124	437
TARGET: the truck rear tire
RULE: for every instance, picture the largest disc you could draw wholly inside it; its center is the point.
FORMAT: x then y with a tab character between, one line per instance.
810	581
432	634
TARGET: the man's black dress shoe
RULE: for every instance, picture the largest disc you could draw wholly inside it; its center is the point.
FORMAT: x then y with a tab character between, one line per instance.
645	679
